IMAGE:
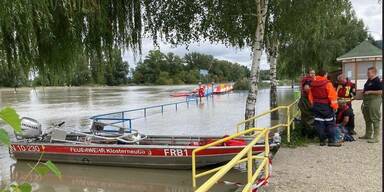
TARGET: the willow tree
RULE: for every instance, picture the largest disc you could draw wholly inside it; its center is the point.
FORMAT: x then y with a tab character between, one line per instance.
315	34
48	36
54	37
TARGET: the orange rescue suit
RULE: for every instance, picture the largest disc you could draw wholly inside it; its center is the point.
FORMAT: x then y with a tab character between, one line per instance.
322	91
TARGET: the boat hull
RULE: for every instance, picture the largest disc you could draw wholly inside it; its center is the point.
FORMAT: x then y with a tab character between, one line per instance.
169	157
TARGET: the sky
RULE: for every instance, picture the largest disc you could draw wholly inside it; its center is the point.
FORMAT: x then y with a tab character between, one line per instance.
368	10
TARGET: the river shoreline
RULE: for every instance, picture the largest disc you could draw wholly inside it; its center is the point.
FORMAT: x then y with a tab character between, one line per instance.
356	166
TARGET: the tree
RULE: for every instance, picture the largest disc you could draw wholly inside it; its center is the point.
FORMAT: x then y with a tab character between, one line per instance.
164	69
117	73
315	34
47	35
262	7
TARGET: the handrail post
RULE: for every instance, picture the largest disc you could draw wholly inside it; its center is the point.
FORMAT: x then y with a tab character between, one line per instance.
193	169
145	112
162	109
130	125
122	118
266	152
249	165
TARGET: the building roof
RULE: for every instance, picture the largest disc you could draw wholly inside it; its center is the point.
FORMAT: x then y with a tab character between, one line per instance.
364	49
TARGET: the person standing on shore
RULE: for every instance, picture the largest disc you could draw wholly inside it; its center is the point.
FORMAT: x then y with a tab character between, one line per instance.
371	106
307	119
345	90
323	98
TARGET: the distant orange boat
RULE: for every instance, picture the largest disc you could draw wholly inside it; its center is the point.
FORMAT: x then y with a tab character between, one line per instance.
207	90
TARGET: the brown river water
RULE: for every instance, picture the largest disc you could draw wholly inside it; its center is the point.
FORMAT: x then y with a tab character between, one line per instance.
216	116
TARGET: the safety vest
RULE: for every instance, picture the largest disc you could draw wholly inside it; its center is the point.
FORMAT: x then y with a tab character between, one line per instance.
319	91
344	90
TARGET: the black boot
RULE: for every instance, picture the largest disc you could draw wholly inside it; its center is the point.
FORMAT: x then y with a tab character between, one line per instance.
334	144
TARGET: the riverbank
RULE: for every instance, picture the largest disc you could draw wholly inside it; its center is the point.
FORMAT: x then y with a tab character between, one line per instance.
356	166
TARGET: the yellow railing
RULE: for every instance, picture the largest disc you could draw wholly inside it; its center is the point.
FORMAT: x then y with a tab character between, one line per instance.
247	150
291	113
258	133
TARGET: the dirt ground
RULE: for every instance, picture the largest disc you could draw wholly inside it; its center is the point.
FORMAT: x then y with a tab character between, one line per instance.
356	166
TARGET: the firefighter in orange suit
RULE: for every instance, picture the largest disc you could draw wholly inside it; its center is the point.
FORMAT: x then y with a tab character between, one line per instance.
323	98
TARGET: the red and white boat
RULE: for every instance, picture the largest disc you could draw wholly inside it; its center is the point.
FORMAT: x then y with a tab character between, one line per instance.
122	146
127	149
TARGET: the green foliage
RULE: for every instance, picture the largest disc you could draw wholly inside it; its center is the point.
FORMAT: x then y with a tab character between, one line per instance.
45	168
242	84
165	69
52	167
300	137
264	75
15	187
117	72
9	116
4	138
314	33
164	79
181	22
56	38
75	42
25	187
41	169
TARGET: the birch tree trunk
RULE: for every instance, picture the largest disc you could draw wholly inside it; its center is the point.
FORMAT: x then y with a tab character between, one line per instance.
272	60
262	6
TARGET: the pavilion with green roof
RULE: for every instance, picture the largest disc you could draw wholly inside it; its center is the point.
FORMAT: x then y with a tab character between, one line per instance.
356	61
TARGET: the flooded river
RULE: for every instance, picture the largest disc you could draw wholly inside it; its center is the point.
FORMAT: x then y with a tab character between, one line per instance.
216	116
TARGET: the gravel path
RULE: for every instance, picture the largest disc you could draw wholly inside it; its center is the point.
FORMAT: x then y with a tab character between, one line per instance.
356	166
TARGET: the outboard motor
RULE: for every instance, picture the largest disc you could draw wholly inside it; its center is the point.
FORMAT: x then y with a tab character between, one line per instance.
30	128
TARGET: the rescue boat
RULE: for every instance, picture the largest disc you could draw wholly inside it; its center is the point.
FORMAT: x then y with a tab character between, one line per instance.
114	145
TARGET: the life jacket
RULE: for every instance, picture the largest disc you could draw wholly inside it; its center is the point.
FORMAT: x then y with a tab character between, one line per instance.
319	91
201	91
304	81
344	90
340	113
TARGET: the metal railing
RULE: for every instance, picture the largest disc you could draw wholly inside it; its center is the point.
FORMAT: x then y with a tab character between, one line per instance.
258	133
122	116
247	150
292	111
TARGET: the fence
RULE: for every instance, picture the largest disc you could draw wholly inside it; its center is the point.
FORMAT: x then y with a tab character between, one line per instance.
259	134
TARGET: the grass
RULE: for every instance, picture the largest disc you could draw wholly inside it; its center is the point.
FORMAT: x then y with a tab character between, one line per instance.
299	137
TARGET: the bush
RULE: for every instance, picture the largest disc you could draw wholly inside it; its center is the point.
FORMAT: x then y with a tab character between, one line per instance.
242	84
299	136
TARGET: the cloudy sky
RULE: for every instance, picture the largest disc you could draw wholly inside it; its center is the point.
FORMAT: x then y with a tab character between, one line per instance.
368	10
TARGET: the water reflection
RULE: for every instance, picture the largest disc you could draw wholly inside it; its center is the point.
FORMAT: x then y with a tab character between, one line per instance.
100	178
